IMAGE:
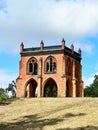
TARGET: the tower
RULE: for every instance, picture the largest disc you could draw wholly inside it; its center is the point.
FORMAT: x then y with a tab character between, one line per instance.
50	71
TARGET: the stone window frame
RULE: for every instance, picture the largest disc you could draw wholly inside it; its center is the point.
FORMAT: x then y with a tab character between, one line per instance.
32	66
50	65
69	67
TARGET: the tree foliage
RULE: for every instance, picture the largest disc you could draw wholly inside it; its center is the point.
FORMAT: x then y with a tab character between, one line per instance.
92	89
4	93
12	88
3	96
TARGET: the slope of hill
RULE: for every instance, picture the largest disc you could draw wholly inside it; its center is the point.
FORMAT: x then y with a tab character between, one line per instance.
50	114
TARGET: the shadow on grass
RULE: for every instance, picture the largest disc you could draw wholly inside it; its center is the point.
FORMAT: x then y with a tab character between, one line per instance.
4	103
31	122
69	115
35	122
81	128
9	101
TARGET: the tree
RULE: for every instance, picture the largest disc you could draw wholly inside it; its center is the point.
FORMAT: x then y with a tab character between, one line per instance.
3	96
47	92
12	88
92	89
54	91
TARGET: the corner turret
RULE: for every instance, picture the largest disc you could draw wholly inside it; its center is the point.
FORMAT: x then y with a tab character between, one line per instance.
79	51
72	47
63	43
41	45
21	47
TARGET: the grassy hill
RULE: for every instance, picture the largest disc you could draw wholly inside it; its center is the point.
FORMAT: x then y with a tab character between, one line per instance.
50	114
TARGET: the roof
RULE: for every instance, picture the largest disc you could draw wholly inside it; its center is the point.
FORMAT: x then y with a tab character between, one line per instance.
50	50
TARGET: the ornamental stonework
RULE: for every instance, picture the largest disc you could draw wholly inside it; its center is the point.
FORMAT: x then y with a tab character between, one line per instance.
50	71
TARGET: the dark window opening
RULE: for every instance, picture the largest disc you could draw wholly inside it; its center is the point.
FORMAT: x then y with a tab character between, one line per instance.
54	67
30	67
50	65
33	67
47	67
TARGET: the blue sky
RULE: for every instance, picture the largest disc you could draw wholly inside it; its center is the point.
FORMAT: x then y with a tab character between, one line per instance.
30	21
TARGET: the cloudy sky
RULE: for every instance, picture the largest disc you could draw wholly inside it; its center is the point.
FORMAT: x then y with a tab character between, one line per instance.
30	21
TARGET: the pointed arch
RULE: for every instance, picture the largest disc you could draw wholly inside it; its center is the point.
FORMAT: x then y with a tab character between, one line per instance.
50	65
50	88
30	88
32	66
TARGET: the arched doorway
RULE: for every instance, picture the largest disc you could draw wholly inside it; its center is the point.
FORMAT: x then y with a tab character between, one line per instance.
68	88
31	88
50	89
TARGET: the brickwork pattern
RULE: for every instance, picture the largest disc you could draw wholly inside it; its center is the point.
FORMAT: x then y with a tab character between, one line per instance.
67	78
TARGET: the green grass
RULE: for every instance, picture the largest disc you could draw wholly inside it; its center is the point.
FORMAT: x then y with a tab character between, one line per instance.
50	114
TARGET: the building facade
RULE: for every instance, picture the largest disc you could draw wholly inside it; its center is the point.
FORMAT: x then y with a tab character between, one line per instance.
51	71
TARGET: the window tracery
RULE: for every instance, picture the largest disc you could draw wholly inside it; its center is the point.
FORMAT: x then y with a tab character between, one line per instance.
50	65
32	66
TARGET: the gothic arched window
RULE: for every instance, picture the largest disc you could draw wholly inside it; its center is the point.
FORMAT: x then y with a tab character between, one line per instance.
32	66
69	67
50	65
76	70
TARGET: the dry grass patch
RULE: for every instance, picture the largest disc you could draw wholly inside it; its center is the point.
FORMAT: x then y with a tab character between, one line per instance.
50	114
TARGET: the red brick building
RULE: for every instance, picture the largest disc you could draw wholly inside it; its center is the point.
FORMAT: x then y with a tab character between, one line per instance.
50	71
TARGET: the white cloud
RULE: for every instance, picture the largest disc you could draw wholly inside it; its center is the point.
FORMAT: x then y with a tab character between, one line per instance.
6	77
49	20
88	81
85	46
